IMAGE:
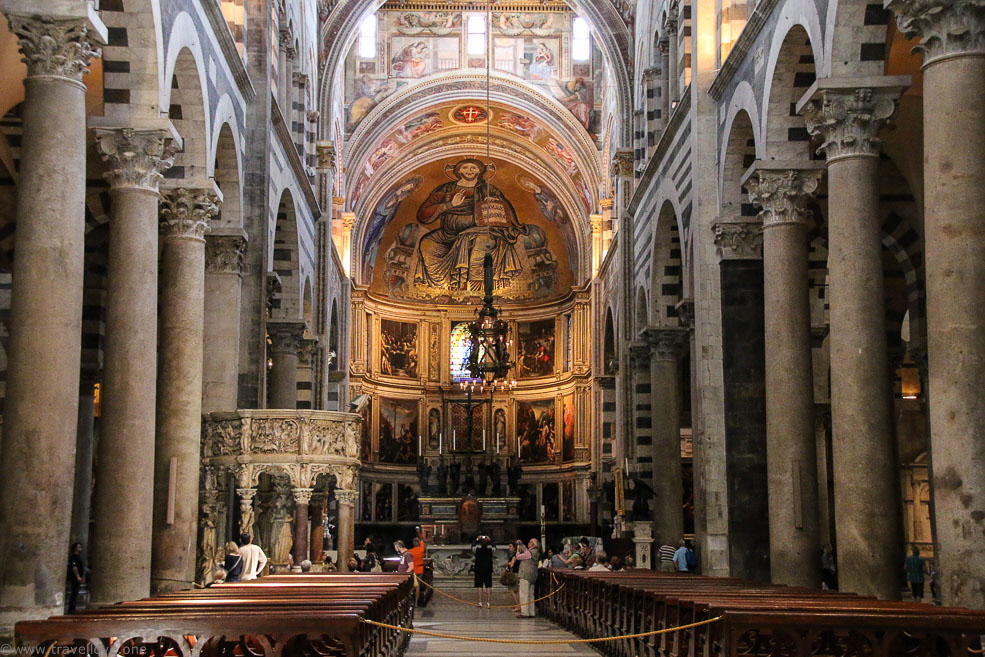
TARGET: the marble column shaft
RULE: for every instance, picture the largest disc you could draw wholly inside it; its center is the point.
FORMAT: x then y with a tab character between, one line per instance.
124	496
302	498
224	250
185	213
82	490
347	525
847	115
282	380
41	408
953	45
784	191
666	346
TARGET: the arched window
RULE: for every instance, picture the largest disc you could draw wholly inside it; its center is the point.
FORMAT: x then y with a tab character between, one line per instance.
460	343
477	34
367	37
581	43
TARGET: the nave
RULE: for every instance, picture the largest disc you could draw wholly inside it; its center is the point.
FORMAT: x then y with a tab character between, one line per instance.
447	616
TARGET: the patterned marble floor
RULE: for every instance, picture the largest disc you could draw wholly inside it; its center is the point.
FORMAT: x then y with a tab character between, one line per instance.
450	617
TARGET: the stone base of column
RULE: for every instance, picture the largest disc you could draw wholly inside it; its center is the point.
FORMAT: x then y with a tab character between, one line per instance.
11	615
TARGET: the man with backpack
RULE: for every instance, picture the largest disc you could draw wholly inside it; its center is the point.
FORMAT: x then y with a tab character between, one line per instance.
685	560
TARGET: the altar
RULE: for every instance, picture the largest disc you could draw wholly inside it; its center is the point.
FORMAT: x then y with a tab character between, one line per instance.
456	560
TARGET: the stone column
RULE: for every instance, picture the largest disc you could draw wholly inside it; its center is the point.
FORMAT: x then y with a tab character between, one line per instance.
596	224
41	408
302	497
247	518
185	216
674	57
224	250
666	345
325	151
347	525
82	490
317	515
739	245
285	336
784	190
951	39
847	114
348	221
664	46
124	496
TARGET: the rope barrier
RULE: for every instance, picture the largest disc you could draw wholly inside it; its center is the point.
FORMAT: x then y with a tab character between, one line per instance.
474	604
541	642
976	652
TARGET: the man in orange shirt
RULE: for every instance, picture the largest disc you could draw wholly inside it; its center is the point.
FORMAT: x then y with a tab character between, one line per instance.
418	553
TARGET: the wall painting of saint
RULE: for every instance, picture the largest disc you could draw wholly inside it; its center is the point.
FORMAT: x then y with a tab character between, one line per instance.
398	431
535	431
398	348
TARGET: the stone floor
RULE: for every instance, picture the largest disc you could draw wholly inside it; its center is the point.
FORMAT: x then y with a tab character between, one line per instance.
450	617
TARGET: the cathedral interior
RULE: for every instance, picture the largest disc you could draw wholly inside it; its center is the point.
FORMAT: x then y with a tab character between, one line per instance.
243	244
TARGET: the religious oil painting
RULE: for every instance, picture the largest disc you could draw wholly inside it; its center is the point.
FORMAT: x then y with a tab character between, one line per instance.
568	428
535	431
399	428
398	348
535	348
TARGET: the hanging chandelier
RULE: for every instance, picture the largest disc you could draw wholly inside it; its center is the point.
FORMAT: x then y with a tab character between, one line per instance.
488	361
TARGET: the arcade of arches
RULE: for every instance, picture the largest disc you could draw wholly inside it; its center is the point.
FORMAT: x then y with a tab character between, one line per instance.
737	246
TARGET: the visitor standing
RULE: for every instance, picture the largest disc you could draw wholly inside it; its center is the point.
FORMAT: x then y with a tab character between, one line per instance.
254	560
528	557
680	557
665	557
828	579
483	549
76	575
233	564
915	567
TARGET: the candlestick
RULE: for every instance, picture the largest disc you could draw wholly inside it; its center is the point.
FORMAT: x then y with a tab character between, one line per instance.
625	465
440	437
483	440
454	439
419	445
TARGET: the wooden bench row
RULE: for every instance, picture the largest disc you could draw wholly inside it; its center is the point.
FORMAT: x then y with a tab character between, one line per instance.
277	616
758	620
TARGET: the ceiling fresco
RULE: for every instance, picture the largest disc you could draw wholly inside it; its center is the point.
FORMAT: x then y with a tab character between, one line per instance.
433	128
426	236
415	44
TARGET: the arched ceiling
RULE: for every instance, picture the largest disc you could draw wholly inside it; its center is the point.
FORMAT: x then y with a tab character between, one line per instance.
420	102
611	20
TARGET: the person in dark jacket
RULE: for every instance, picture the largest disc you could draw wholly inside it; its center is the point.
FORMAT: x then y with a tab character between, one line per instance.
233	565
483	549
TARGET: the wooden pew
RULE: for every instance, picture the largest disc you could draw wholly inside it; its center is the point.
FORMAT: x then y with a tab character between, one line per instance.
758	620
278	616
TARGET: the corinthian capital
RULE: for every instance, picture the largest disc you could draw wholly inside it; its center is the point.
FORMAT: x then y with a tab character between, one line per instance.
224	252
945	28
847	114
302	495
348	497
739	240
783	190
60	48
667	343
286	336
135	157
186	211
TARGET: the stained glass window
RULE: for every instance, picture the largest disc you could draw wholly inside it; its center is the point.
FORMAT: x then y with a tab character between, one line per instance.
460	342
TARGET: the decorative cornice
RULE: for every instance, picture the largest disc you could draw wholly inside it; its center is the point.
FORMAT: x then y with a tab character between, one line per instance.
186	211
59	48
666	343
136	157
740	50
286	336
946	28
220	28
848	117
224	253
739	240
783	192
